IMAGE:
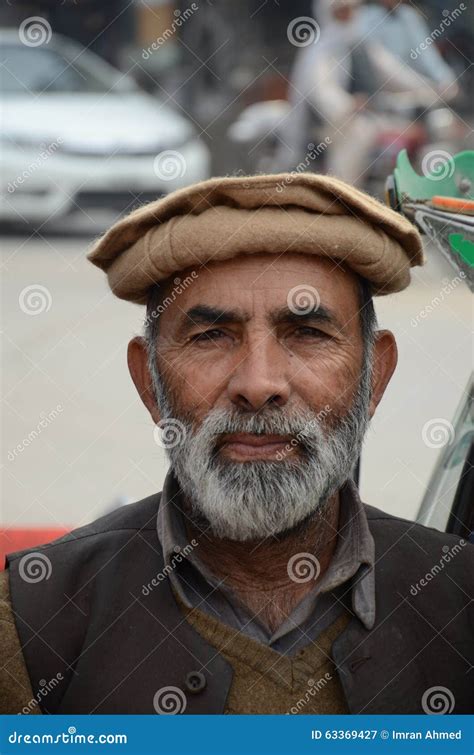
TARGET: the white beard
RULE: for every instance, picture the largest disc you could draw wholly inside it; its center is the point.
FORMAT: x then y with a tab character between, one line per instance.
253	500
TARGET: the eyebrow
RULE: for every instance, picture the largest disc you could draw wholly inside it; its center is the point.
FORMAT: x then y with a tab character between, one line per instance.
203	314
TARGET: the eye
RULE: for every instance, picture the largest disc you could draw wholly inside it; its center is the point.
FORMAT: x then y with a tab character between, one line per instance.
306	330
208	335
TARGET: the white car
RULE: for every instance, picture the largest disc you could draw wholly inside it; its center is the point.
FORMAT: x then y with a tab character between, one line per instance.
77	133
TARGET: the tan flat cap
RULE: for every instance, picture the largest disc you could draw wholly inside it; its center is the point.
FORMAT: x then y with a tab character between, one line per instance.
288	212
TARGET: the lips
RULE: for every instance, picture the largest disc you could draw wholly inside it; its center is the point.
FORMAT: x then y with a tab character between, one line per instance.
255	440
251	446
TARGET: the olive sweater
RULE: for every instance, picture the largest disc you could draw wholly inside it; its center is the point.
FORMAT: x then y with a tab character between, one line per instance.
265	681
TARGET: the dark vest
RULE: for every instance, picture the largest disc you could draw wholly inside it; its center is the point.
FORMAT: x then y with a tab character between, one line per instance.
116	638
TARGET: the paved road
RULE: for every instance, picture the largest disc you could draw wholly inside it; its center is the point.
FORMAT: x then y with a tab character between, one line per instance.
77	439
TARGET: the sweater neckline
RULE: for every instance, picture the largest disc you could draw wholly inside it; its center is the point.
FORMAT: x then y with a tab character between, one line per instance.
293	671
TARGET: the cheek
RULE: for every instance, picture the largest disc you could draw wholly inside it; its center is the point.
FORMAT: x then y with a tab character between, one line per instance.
196	383
328	379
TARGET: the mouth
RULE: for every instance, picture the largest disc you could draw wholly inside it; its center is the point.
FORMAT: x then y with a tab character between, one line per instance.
248	446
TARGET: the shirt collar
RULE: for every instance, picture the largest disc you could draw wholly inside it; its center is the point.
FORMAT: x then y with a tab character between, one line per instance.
354	556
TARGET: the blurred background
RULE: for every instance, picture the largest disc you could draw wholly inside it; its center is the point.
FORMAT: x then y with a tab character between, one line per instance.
107	105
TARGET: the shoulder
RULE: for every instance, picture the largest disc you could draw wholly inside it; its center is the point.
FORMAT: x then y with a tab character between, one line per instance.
124	523
83	566
87	558
393	526
415	546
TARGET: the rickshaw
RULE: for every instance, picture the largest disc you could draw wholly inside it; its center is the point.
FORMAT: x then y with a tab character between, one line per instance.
441	204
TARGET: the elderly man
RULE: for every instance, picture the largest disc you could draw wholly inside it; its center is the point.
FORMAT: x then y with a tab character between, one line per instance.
257	581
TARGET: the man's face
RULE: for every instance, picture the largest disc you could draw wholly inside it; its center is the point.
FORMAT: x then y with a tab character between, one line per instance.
263	350
261	362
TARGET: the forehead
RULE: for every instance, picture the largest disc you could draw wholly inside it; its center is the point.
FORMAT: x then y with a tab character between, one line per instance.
263	281
260	287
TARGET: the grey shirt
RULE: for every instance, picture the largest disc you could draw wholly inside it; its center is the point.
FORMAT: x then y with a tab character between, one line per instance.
348	582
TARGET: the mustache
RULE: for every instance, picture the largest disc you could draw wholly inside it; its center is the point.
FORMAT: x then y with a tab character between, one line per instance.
304	425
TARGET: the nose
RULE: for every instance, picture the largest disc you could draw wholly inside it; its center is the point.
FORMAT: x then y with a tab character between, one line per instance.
259	378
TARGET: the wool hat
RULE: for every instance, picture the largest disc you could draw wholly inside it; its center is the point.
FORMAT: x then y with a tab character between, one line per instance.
221	218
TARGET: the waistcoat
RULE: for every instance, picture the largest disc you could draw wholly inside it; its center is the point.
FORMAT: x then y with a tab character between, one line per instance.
97	607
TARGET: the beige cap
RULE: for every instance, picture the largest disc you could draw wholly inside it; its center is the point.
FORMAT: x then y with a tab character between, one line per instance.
289	212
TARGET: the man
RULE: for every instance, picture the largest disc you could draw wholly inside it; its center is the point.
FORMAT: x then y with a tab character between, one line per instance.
323	90
257	581
356	83
401	29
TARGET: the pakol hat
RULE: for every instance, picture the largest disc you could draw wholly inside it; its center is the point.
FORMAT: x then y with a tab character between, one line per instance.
289	212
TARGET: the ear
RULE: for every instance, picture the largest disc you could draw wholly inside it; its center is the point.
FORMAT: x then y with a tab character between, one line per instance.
138	366
385	358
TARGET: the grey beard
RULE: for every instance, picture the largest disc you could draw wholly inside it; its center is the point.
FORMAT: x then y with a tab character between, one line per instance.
253	500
